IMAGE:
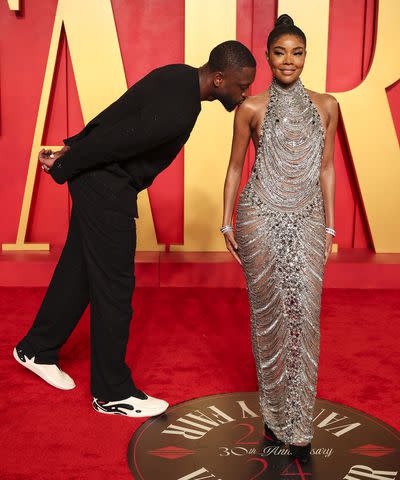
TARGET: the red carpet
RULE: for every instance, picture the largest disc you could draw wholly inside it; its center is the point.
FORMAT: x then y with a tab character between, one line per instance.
185	343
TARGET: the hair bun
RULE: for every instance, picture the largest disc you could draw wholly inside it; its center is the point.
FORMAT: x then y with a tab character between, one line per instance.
284	20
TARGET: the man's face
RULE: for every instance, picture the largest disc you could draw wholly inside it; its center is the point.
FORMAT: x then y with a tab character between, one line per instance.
230	86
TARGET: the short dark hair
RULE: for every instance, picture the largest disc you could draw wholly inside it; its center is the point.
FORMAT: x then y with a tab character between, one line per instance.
230	54
284	25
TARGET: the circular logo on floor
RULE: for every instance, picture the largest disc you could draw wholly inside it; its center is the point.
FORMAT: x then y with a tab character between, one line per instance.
222	437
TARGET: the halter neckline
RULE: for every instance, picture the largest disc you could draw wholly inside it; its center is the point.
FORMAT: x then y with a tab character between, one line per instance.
295	86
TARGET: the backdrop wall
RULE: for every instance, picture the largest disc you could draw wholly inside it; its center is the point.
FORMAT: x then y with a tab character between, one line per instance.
152	33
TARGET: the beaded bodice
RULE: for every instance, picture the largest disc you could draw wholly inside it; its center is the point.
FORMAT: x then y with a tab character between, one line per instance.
286	170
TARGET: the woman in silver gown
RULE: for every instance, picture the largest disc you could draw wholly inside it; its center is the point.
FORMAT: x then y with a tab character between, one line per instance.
284	230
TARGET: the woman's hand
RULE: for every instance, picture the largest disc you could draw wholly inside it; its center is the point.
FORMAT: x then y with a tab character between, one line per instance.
231	245
47	157
328	246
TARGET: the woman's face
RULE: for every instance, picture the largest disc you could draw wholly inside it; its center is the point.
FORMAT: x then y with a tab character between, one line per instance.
286	58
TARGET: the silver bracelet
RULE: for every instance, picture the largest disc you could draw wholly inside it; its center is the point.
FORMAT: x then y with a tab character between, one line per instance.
226	228
330	230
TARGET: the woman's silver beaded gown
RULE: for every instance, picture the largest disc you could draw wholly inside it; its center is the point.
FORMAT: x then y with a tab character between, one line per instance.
280	231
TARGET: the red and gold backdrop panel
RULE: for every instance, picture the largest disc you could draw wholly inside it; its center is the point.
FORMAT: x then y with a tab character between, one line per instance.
151	33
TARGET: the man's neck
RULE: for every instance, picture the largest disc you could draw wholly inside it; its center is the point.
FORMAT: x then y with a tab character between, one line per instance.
205	83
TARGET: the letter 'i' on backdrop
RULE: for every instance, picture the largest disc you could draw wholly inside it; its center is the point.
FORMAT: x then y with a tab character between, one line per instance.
368	123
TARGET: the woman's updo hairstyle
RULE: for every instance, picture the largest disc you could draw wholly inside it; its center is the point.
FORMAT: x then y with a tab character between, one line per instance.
284	25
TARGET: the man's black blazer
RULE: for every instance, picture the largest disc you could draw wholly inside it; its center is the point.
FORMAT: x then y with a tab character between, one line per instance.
140	133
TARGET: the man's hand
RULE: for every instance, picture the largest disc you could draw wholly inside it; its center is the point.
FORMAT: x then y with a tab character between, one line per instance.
48	157
231	245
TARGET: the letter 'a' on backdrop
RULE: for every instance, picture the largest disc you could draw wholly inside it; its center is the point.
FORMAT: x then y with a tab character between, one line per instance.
100	79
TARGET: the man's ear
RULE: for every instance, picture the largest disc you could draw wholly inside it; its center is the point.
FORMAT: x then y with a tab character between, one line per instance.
218	78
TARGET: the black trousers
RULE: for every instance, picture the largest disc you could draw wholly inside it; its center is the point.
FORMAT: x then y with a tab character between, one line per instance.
96	267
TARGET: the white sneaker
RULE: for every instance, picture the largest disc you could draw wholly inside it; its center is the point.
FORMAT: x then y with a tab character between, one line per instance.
132	406
48	372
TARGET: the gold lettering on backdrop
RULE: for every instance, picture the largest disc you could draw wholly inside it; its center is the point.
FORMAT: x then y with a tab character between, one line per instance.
366	115
372	137
14	5
100	79
207	23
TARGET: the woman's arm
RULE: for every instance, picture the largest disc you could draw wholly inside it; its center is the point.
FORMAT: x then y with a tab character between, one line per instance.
327	173
240	142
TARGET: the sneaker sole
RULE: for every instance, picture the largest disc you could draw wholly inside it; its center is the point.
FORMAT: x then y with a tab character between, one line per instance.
31	369
136	415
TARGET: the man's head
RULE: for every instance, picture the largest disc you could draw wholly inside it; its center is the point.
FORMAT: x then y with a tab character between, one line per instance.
231	70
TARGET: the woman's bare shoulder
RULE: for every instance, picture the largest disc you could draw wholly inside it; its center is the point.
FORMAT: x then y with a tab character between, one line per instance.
253	105
327	101
256	102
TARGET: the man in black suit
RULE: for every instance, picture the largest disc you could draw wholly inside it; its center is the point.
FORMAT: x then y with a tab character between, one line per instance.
116	155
